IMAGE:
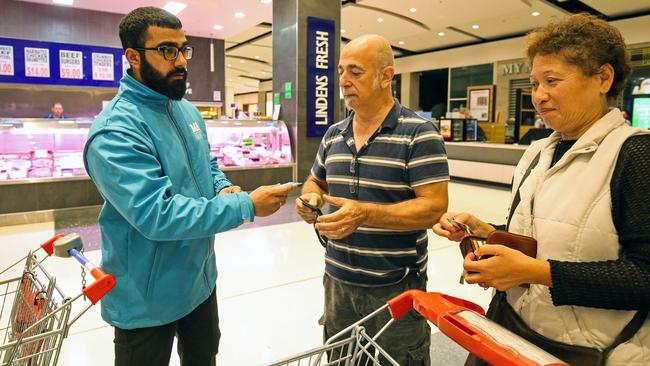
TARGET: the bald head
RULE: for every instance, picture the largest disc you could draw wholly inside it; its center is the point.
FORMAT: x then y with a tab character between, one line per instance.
375	45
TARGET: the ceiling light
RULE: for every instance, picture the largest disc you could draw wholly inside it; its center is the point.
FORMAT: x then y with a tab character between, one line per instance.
257	57
263	72
401	42
342	30
265	1
174	7
413	10
229	65
242	61
218	27
380	20
441	34
475	26
535	13
63	2
239	15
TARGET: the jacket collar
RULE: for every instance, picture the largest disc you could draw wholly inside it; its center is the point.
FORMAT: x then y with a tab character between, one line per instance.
590	140
137	92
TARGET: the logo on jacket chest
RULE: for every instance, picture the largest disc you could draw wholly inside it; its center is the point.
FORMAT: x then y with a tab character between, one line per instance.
196	130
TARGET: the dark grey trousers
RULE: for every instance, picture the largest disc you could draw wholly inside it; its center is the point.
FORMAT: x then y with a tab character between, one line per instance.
406	340
198	339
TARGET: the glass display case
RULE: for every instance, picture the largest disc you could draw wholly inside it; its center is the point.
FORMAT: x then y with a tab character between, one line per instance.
249	143
46	148
42	148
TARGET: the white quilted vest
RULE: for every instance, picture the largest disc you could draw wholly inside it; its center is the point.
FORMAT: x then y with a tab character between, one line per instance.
568	209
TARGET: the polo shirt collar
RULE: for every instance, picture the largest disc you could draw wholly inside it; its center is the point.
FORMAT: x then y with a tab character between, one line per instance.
389	122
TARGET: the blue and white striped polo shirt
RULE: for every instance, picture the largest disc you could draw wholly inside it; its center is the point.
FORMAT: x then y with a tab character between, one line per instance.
405	152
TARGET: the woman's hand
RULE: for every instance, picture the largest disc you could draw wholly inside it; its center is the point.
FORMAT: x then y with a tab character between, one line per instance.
447	229
506	268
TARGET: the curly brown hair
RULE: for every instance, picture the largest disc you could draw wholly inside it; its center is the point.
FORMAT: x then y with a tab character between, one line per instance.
584	41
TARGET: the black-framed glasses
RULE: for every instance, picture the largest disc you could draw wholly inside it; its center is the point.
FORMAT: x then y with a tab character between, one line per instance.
354	185
170	53
323	240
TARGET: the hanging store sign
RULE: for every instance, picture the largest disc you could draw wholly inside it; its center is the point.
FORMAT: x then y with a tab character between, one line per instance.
6	60
103	66
321	65
35	62
70	64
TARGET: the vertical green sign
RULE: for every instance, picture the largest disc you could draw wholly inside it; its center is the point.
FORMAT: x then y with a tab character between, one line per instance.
287	90
276	98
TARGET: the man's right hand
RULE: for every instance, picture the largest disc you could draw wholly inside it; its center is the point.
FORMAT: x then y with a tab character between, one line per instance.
268	199
305	212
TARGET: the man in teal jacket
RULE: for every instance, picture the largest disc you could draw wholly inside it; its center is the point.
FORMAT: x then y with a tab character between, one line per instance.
165	198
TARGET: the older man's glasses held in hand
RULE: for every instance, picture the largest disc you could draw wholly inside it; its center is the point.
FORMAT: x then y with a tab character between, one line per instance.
317	212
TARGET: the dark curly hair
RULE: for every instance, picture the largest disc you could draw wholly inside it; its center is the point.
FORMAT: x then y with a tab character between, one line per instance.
134	25
584	41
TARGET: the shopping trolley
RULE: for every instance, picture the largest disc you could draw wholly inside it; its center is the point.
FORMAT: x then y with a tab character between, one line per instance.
461	320
35	315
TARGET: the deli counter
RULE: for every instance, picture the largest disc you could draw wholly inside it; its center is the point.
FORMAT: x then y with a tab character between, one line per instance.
41	160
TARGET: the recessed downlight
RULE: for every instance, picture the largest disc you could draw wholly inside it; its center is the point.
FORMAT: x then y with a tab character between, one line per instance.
239	15
535	14
441	34
380	20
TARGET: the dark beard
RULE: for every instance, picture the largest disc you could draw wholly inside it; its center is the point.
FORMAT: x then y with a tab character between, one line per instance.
165	85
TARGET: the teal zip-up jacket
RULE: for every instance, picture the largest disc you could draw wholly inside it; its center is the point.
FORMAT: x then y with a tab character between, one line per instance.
149	158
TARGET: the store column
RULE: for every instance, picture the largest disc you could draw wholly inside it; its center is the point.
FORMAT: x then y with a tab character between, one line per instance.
306	45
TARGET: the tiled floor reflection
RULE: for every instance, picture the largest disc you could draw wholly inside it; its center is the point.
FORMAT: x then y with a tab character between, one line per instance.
269	285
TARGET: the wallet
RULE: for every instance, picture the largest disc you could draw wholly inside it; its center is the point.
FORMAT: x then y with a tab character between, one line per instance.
522	243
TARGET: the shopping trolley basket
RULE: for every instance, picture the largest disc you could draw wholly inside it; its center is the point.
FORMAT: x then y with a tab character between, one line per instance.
461	320
35	315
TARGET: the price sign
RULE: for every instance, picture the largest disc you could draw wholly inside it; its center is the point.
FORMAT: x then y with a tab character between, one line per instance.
70	64
6	60
37	62
103	66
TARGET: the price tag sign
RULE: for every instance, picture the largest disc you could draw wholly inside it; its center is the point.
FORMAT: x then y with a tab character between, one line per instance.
6	60
103	66
37	62
70	64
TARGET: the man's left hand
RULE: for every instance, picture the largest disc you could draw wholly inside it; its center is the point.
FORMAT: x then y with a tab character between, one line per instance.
231	189
350	215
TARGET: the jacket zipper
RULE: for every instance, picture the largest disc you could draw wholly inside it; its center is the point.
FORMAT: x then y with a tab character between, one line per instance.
187	154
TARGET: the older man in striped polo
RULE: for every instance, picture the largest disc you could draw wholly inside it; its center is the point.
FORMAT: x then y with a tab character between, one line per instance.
384	172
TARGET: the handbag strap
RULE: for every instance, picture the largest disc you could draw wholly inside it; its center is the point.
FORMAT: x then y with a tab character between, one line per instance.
517	198
630	329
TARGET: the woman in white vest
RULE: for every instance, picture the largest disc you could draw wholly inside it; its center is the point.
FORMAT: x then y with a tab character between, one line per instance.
584	195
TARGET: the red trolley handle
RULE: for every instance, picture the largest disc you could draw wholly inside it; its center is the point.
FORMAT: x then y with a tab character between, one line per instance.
48	246
443	311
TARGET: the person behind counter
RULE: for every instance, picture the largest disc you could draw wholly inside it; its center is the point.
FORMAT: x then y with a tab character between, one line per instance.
165	198
385	169
582	193
57	111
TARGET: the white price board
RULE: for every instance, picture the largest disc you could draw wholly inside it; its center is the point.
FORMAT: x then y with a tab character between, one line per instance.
37	62
6	60
103	66
70	64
